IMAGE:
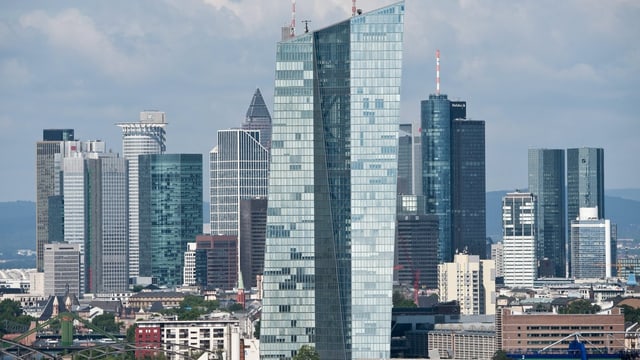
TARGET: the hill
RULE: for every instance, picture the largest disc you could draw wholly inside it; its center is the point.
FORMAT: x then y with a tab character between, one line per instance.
17	232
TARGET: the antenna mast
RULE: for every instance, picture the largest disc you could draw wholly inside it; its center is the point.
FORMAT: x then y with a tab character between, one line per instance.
353	8
438	72
292	29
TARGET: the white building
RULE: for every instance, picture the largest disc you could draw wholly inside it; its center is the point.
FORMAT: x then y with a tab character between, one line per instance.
138	138
519	239
469	281
496	255
189	272
62	269
593	246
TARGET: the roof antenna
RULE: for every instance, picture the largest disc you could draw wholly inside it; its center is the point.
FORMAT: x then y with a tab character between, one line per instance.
306	25
292	28
438	72
353	8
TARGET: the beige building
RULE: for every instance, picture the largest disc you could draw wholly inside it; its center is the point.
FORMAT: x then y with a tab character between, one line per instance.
463	341
469	281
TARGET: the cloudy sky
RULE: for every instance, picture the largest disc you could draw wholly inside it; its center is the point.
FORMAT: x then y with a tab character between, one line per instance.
542	73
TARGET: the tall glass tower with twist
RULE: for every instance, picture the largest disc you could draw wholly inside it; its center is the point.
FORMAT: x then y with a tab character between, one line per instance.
332	190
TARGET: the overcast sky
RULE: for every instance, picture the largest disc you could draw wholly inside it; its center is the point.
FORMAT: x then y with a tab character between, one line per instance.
542	73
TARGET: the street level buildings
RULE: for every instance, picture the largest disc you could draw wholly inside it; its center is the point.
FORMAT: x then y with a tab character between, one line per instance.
332	190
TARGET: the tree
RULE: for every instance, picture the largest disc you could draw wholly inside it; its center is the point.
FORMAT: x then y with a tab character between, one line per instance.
500	355
307	352
256	330
106	322
400	301
131	333
580	306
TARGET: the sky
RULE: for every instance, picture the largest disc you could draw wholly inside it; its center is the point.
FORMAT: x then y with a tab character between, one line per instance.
541	73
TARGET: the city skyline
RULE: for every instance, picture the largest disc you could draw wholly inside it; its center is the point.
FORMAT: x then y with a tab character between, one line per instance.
556	71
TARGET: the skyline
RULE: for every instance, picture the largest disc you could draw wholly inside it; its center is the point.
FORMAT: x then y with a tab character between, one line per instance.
522	67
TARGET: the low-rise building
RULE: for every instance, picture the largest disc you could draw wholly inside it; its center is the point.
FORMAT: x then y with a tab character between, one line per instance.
463	341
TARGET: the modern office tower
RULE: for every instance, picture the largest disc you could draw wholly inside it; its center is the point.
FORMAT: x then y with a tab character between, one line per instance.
258	118
496	255
593	246
170	193
146	136
253	227
417	159
62	269
519	239
546	182
585	181
405	160
468	186
217	261
469	281
189	274
332	190
416	244
47	183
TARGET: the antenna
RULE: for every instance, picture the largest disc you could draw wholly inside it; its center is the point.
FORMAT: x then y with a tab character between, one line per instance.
353	8
306	25
438	72
292	29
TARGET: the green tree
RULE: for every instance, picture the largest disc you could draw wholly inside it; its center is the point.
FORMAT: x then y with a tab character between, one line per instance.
400	301
500	355
131	333
256	330
106	322
631	314
11	312
580	306
307	352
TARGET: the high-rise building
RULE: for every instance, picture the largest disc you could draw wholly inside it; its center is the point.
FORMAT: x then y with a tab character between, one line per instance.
470	282
170	193
47	184
546	182
585	181
258	118
496	255
217	261
405	160
416	244
468	185
253	225
593	246
146	136
62	269
189	273
332	190
519	239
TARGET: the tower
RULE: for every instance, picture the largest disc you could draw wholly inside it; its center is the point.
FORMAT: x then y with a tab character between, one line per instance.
593	246
471	282
546	182
147	136
519	228
332	190
258	118
585	181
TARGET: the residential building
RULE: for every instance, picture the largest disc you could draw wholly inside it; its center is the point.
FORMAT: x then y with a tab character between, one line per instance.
258	118
416	261
547	183
147	136
471	282
253	228
47	183
593	248
62	269
332	190
519	226
170	193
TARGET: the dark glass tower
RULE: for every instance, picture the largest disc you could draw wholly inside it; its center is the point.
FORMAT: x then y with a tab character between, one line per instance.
585	181
331	215
170	188
468	190
405	160
546	182
258	118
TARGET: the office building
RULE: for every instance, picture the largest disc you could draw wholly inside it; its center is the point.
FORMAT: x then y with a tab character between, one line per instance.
170	212
258	118
463	341
519	225
62	269
189	273
332	190
147	136
496	255
47	183
593	246
546	182
253	227
585	181
217	261
469	281
416	244
405	160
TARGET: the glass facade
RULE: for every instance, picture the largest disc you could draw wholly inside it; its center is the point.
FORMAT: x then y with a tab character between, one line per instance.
170	212
332	190
585	181
546	182
138	138
405	160
258	118
593	246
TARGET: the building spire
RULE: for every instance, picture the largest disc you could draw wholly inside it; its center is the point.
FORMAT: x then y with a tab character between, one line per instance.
438	72
292	29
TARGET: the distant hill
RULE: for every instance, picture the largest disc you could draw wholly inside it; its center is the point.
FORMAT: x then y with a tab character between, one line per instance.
17	231
622	209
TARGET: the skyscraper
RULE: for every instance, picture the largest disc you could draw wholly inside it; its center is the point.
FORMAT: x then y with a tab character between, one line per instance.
258	118
546	182
585	181
253	225
519	239
47	183
62	269
138	138
593	246
170	212
468	184
405	160
332	190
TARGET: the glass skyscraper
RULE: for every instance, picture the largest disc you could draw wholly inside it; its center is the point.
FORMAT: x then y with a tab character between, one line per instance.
585	181
170	212
593	246
546	182
332	190
258	118
138	138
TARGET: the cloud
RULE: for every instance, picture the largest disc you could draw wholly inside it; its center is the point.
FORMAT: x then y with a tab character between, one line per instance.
71	30
14	73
